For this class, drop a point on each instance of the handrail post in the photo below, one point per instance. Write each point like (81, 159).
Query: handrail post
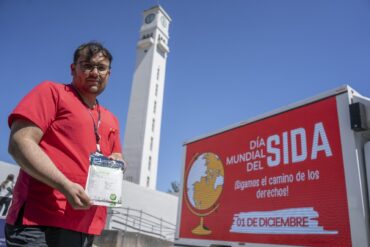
(160, 226)
(126, 219)
(140, 219)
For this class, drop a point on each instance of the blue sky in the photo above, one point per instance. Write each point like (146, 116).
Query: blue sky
(229, 60)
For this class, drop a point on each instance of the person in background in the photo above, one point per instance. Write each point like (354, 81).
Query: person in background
(54, 130)
(6, 193)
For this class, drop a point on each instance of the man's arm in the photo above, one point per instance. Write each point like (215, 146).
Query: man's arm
(24, 147)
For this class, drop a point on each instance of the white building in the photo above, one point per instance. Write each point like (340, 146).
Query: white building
(142, 134)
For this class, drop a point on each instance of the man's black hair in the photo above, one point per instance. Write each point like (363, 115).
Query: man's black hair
(90, 49)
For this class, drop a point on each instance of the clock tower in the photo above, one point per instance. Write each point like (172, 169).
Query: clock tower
(143, 125)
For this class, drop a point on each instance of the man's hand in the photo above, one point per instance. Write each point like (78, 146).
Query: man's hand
(118, 156)
(76, 196)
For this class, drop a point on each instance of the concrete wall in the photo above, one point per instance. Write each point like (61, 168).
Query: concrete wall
(111, 238)
(159, 204)
(154, 202)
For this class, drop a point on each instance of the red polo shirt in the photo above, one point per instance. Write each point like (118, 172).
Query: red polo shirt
(68, 140)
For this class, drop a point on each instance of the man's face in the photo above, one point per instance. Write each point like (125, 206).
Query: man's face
(91, 76)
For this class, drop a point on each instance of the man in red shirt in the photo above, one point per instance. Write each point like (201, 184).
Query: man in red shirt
(54, 130)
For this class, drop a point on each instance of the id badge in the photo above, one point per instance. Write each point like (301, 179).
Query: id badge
(104, 181)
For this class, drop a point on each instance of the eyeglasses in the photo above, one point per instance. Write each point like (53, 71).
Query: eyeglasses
(88, 67)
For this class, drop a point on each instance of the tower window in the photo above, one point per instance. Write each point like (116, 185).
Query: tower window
(151, 143)
(148, 35)
(153, 124)
(150, 163)
(147, 181)
(156, 89)
(158, 70)
(155, 107)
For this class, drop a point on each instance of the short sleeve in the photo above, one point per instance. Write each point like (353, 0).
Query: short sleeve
(39, 106)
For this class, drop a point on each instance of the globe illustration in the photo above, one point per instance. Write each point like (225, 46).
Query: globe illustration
(204, 185)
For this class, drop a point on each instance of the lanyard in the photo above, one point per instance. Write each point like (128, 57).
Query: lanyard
(96, 125)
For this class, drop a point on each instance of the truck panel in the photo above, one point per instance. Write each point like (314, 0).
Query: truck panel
(279, 180)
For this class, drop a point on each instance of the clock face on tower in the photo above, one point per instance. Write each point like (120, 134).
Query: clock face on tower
(149, 18)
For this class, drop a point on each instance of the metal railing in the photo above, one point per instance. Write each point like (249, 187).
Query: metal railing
(133, 220)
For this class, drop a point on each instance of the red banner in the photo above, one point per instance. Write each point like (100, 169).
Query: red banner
(279, 180)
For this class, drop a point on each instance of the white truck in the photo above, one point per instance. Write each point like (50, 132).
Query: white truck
(296, 176)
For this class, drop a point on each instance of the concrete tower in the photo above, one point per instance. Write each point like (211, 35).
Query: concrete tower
(143, 126)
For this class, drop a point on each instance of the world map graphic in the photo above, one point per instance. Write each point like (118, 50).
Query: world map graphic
(205, 181)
